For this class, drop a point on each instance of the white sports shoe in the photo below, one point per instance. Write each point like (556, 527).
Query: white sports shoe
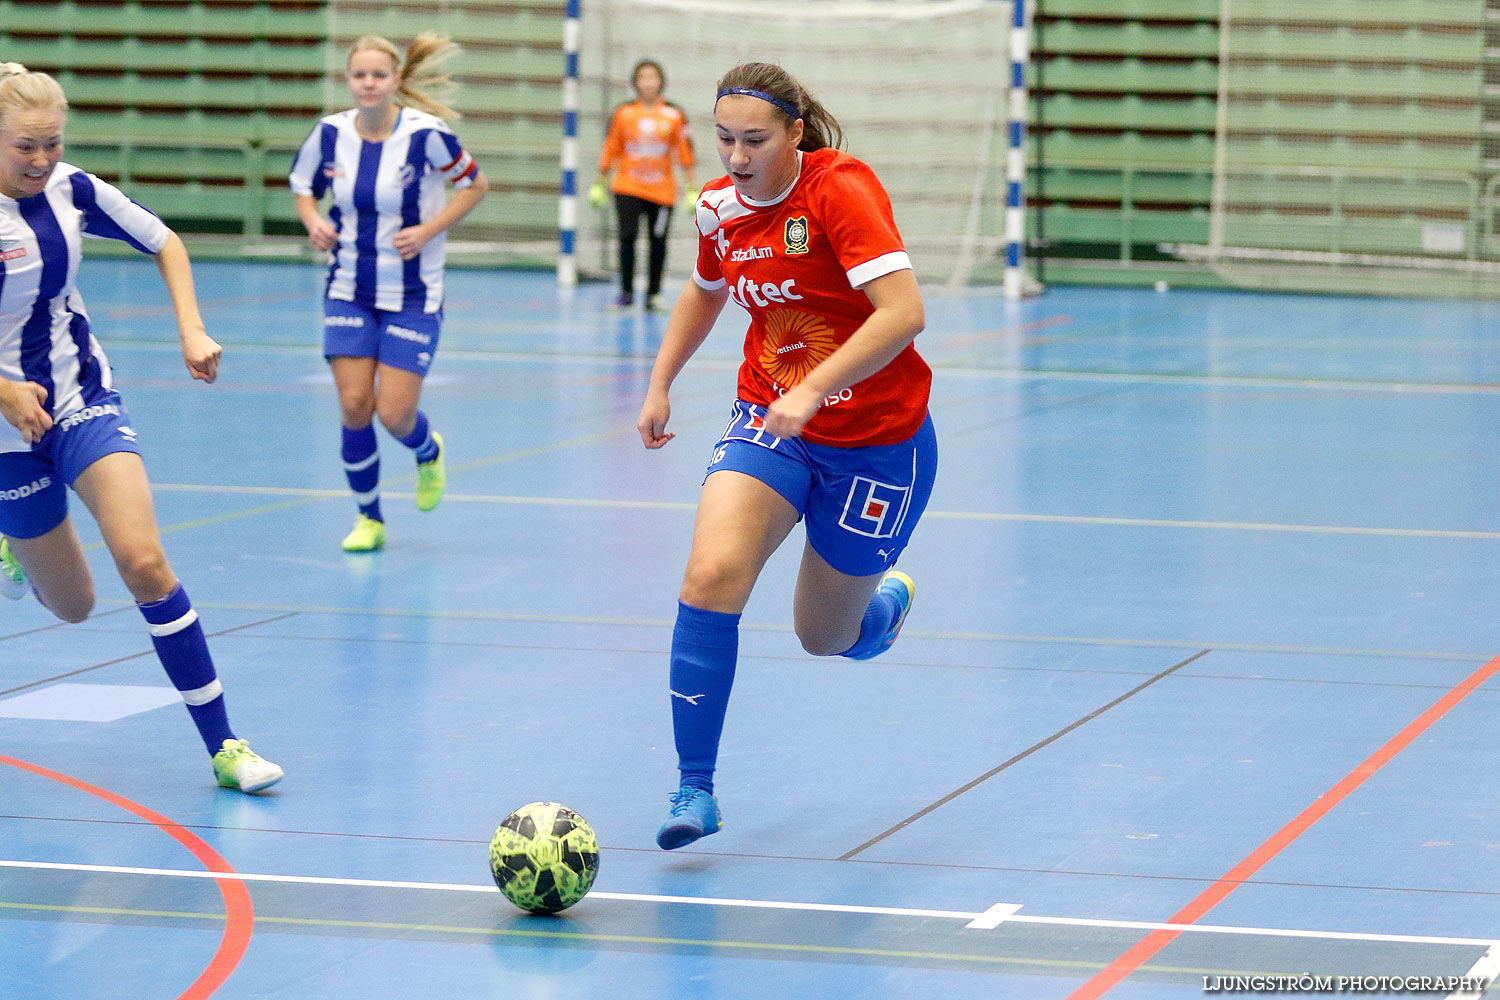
(237, 766)
(13, 582)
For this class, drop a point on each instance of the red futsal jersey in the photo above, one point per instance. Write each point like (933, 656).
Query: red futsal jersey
(798, 265)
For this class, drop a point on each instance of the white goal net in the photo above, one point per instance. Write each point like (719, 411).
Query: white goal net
(1350, 152)
(920, 89)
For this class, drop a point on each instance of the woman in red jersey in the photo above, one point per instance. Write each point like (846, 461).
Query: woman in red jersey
(830, 423)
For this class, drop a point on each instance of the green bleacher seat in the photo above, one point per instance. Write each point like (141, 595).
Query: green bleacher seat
(1340, 117)
(1337, 151)
(1183, 113)
(1450, 13)
(1119, 149)
(1414, 43)
(1189, 40)
(1078, 74)
(1143, 10)
(1125, 228)
(1414, 81)
(1123, 184)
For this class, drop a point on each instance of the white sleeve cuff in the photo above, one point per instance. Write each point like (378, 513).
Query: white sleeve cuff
(867, 272)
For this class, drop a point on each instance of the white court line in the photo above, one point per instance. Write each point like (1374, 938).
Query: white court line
(987, 920)
(1485, 970)
(1218, 381)
(993, 917)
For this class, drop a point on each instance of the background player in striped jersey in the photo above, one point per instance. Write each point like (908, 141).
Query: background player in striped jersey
(65, 425)
(831, 422)
(645, 138)
(385, 163)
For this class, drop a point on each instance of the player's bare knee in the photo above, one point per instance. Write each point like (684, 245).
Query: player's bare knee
(357, 409)
(146, 574)
(399, 421)
(714, 585)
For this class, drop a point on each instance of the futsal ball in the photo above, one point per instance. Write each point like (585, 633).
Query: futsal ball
(544, 857)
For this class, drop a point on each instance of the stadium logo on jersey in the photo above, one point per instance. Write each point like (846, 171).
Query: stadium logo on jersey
(874, 509)
(11, 249)
(796, 235)
(754, 253)
(22, 492)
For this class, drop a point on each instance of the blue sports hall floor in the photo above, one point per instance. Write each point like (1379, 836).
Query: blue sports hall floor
(1197, 693)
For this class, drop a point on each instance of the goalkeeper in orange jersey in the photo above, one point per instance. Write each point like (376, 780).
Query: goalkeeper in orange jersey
(645, 137)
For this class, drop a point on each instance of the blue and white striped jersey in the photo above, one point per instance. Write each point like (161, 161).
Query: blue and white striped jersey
(380, 188)
(44, 330)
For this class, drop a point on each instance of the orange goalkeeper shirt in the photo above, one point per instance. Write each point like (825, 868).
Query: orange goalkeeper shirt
(644, 141)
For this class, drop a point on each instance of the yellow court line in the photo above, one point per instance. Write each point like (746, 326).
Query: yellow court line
(309, 495)
(580, 936)
(1063, 640)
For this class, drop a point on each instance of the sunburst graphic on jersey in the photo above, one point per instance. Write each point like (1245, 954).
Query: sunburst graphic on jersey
(796, 343)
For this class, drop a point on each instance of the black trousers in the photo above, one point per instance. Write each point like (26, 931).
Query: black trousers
(631, 211)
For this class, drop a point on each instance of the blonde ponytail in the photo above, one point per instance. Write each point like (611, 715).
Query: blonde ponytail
(422, 85)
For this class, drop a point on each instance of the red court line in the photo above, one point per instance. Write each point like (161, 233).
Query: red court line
(239, 914)
(1154, 942)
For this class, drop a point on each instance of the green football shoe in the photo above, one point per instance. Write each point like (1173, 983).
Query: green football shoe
(13, 583)
(431, 479)
(237, 766)
(367, 536)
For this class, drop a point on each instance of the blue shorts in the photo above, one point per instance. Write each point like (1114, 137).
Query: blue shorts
(34, 484)
(405, 340)
(861, 504)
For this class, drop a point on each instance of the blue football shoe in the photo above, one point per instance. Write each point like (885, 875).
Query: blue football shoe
(904, 590)
(695, 814)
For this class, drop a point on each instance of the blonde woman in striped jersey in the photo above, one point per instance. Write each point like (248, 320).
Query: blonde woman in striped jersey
(66, 426)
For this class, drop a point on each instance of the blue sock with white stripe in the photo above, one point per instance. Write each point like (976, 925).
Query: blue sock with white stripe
(705, 646)
(362, 468)
(420, 439)
(183, 651)
(879, 617)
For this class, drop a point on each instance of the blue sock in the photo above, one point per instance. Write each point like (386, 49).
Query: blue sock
(705, 646)
(179, 642)
(420, 440)
(879, 617)
(362, 468)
